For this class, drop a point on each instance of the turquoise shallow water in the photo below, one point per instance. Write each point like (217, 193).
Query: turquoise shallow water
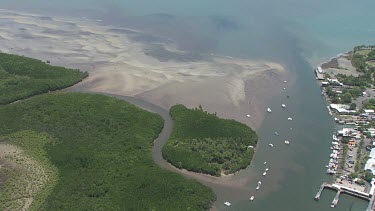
(296, 33)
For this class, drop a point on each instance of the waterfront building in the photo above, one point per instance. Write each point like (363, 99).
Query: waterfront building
(341, 108)
(345, 132)
(319, 73)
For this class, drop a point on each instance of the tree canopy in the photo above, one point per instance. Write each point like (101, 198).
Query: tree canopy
(203, 142)
(22, 77)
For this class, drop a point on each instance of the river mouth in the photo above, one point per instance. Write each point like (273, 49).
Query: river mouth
(295, 172)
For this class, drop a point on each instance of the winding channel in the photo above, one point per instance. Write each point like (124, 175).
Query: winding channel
(218, 184)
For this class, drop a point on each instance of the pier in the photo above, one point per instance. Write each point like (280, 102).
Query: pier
(317, 196)
(345, 190)
(336, 199)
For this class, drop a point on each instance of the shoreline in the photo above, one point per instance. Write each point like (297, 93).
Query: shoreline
(351, 138)
(223, 85)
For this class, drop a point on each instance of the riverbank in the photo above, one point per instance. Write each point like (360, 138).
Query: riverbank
(347, 82)
(232, 87)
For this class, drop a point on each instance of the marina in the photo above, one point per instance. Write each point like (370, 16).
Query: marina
(370, 197)
(351, 162)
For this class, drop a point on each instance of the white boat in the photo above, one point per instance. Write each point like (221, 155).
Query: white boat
(286, 142)
(271, 145)
(290, 119)
(285, 81)
(252, 198)
(276, 133)
(269, 110)
(264, 173)
(284, 88)
(248, 115)
(258, 186)
(267, 169)
(227, 203)
(283, 105)
(250, 146)
(264, 163)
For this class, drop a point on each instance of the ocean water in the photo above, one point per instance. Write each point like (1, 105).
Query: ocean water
(296, 33)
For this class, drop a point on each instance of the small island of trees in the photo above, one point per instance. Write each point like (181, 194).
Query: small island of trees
(204, 143)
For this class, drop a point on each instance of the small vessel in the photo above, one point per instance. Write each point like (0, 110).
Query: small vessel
(264, 173)
(252, 198)
(271, 145)
(286, 142)
(276, 133)
(269, 110)
(250, 146)
(248, 115)
(284, 88)
(285, 81)
(290, 119)
(283, 105)
(264, 163)
(266, 169)
(258, 186)
(227, 203)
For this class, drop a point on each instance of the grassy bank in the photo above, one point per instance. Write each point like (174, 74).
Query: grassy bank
(22, 77)
(103, 154)
(202, 142)
(28, 174)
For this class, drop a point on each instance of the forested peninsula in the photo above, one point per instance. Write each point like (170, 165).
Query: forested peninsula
(22, 77)
(75, 151)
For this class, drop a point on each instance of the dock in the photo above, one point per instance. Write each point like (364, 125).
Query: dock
(317, 196)
(345, 190)
(336, 199)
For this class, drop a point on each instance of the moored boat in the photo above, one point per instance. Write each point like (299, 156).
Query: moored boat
(258, 186)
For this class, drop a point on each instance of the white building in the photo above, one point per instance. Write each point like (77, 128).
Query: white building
(345, 132)
(341, 108)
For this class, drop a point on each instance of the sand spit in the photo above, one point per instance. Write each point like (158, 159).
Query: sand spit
(119, 62)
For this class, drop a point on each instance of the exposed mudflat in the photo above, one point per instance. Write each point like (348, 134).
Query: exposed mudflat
(130, 62)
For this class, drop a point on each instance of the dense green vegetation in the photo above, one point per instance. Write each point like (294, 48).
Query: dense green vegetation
(360, 62)
(22, 77)
(369, 104)
(202, 142)
(102, 151)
